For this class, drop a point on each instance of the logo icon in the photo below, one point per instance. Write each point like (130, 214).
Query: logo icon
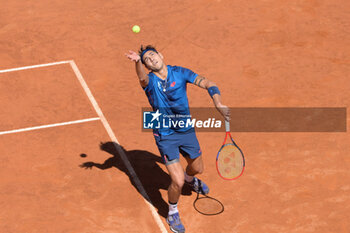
(151, 120)
(172, 84)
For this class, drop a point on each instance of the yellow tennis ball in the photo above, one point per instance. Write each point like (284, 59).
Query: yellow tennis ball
(136, 29)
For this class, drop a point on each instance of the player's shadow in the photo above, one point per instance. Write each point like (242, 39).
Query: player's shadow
(145, 164)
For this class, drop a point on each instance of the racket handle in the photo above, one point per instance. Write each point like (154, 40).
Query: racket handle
(227, 126)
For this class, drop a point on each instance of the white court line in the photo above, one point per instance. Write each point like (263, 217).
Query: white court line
(35, 66)
(49, 126)
(120, 151)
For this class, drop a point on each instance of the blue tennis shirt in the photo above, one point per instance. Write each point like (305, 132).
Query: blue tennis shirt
(169, 96)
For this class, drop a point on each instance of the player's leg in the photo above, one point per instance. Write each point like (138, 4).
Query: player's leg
(177, 176)
(190, 149)
(194, 166)
(169, 151)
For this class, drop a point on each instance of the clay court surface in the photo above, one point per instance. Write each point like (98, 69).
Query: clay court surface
(261, 53)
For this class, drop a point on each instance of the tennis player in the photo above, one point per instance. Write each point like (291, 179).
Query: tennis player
(165, 87)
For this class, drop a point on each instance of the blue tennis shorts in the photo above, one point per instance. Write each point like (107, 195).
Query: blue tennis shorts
(170, 146)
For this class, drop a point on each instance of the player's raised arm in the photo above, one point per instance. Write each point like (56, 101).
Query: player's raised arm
(214, 93)
(143, 77)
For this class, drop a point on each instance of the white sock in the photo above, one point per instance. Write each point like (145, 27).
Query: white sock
(188, 178)
(172, 209)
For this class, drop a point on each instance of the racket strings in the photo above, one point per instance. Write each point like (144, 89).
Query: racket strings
(230, 163)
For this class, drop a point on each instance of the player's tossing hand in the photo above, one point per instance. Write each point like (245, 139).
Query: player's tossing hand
(133, 56)
(225, 111)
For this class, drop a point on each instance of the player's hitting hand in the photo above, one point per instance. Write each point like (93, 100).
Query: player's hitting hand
(225, 111)
(133, 56)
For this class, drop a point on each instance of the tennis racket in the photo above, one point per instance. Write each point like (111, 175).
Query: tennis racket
(230, 161)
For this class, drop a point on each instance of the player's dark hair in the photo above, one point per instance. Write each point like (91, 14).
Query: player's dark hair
(148, 47)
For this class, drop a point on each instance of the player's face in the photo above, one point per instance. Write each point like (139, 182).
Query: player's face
(153, 60)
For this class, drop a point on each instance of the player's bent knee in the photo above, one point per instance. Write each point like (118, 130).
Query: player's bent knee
(199, 168)
(178, 183)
